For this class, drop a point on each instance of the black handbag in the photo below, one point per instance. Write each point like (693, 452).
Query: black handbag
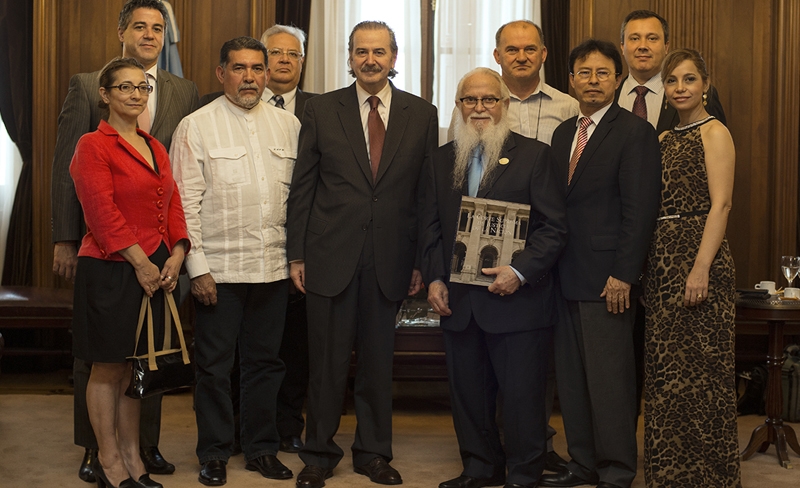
(164, 370)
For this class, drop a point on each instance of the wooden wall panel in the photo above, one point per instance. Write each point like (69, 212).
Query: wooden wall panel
(752, 50)
(75, 36)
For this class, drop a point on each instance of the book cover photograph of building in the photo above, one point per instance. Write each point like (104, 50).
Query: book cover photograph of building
(490, 233)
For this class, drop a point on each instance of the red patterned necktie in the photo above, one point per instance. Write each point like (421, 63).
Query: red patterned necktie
(640, 105)
(377, 133)
(583, 137)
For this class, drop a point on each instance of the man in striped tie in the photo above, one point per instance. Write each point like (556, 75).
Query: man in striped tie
(610, 165)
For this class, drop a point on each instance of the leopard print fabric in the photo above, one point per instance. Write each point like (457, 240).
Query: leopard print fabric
(690, 437)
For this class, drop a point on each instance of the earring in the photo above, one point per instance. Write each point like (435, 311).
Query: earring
(705, 99)
(665, 103)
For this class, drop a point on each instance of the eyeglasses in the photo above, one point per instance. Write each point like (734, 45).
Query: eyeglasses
(294, 55)
(128, 88)
(472, 102)
(585, 74)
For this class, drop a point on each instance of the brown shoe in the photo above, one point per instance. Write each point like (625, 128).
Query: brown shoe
(379, 472)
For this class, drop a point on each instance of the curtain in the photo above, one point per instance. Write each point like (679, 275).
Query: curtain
(16, 74)
(555, 24)
(464, 39)
(298, 14)
(329, 30)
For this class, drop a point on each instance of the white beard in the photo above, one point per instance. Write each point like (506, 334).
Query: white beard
(467, 137)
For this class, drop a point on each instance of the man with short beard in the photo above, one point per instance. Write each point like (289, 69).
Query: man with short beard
(495, 338)
(233, 161)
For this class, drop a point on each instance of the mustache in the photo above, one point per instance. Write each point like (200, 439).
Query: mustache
(248, 86)
(370, 68)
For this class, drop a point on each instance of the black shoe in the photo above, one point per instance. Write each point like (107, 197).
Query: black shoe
(607, 485)
(464, 481)
(85, 472)
(554, 463)
(102, 481)
(146, 482)
(291, 443)
(313, 477)
(517, 485)
(213, 473)
(269, 467)
(379, 472)
(154, 462)
(564, 479)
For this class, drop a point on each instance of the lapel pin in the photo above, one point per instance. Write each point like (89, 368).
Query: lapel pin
(503, 161)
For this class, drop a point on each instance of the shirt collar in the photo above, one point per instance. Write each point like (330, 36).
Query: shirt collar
(287, 97)
(596, 117)
(385, 94)
(542, 88)
(654, 84)
(153, 72)
(239, 111)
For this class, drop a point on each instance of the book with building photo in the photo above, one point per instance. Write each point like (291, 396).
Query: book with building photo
(490, 233)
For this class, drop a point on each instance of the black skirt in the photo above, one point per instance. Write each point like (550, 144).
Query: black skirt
(106, 309)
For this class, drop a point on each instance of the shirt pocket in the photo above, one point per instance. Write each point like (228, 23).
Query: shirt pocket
(284, 159)
(230, 166)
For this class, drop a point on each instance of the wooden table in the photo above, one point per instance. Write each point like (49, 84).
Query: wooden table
(23, 307)
(773, 431)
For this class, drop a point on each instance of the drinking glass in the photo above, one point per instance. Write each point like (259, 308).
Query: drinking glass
(790, 266)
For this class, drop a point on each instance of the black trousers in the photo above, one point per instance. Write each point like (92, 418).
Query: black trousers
(294, 354)
(363, 316)
(252, 316)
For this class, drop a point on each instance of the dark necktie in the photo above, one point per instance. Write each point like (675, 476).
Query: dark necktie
(583, 138)
(640, 105)
(377, 133)
(278, 101)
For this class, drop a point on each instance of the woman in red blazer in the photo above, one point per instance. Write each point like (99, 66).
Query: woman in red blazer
(135, 244)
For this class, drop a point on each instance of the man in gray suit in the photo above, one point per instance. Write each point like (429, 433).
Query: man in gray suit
(141, 32)
(352, 223)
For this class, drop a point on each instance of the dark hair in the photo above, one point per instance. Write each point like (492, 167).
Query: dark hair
(127, 10)
(640, 15)
(373, 25)
(106, 77)
(590, 46)
(676, 57)
(523, 21)
(239, 43)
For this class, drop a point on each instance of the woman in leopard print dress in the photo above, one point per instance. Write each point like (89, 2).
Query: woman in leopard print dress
(690, 437)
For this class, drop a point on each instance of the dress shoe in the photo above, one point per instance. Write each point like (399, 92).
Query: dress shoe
(313, 476)
(154, 462)
(379, 472)
(102, 480)
(554, 463)
(464, 481)
(146, 482)
(517, 485)
(565, 479)
(213, 473)
(269, 467)
(607, 485)
(85, 472)
(291, 443)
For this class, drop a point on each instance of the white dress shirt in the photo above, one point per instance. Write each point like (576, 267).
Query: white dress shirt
(152, 79)
(289, 99)
(383, 108)
(596, 118)
(653, 98)
(233, 168)
(538, 115)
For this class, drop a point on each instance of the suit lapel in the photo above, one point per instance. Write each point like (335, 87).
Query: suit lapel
(507, 153)
(164, 88)
(398, 119)
(350, 118)
(598, 135)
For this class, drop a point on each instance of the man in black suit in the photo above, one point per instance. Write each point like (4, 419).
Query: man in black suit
(644, 40)
(610, 162)
(352, 247)
(141, 32)
(497, 337)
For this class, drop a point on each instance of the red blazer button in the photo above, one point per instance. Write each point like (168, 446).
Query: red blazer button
(160, 191)
(160, 204)
(162, 229)
(160, 217)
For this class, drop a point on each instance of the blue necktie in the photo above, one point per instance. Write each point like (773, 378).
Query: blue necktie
(475, 172)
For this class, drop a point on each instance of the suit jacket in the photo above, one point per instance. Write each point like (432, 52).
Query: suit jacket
(299, 101)
(612, 202)
(80, 114)
(669, 117)
(530, 177)
(125, 201)
(333, 201)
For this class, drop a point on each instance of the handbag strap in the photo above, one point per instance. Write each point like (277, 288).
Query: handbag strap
(174, 309)
(170, 314)
(142, 312)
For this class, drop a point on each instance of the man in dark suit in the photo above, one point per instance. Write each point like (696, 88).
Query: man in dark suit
(610, 162)
(497, 337)
(352, 247)
(644, 40)
(141, 32)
